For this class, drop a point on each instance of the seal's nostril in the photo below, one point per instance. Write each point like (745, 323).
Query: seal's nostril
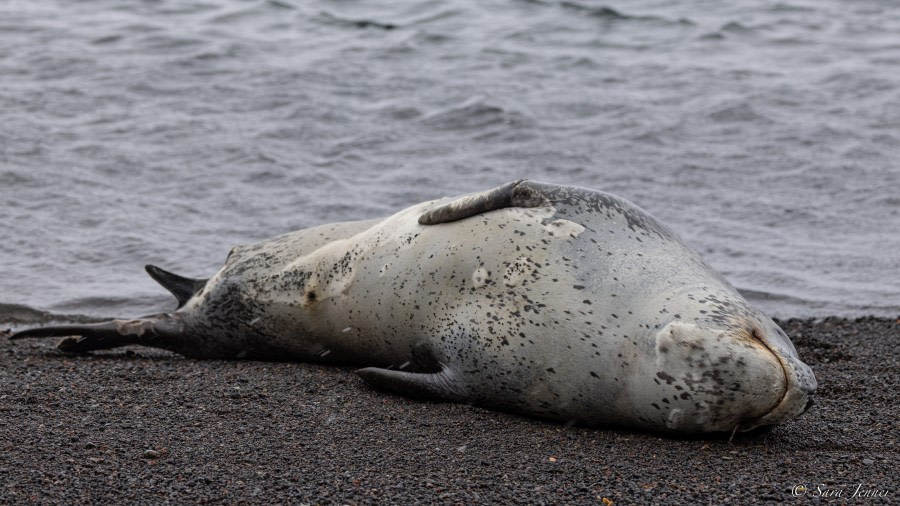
(807, 384)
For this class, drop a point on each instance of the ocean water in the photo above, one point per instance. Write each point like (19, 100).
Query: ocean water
(767, 134)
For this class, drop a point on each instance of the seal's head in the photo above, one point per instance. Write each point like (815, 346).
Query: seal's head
(800, 382)
(724, 380)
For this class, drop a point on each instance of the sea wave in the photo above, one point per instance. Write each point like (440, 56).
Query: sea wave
(158, 132)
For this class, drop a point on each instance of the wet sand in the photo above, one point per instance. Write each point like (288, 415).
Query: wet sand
(142, 426)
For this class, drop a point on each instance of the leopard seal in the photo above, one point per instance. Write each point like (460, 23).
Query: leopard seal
(553, 301)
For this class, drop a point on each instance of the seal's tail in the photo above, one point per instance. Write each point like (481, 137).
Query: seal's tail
(181, 287)
(157, 331)
(166, 330)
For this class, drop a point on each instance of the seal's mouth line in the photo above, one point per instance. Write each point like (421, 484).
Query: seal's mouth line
(787, 383)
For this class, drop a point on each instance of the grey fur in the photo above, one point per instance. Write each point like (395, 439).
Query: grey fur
(553, 301)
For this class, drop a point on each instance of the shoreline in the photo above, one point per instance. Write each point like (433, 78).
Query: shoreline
(140, 425)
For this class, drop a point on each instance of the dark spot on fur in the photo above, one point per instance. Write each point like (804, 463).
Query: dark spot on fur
(668, 378)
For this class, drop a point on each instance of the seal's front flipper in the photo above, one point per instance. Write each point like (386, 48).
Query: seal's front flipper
(513, 194)
(442, 385)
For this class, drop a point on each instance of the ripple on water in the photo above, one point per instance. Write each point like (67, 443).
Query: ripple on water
(167, 132)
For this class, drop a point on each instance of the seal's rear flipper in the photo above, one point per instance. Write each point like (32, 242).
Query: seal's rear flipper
(159, 331)
(181, 287)
(443, 385)
(519, 193)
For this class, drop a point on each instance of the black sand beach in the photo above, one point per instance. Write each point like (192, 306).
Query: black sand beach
(142, 426)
